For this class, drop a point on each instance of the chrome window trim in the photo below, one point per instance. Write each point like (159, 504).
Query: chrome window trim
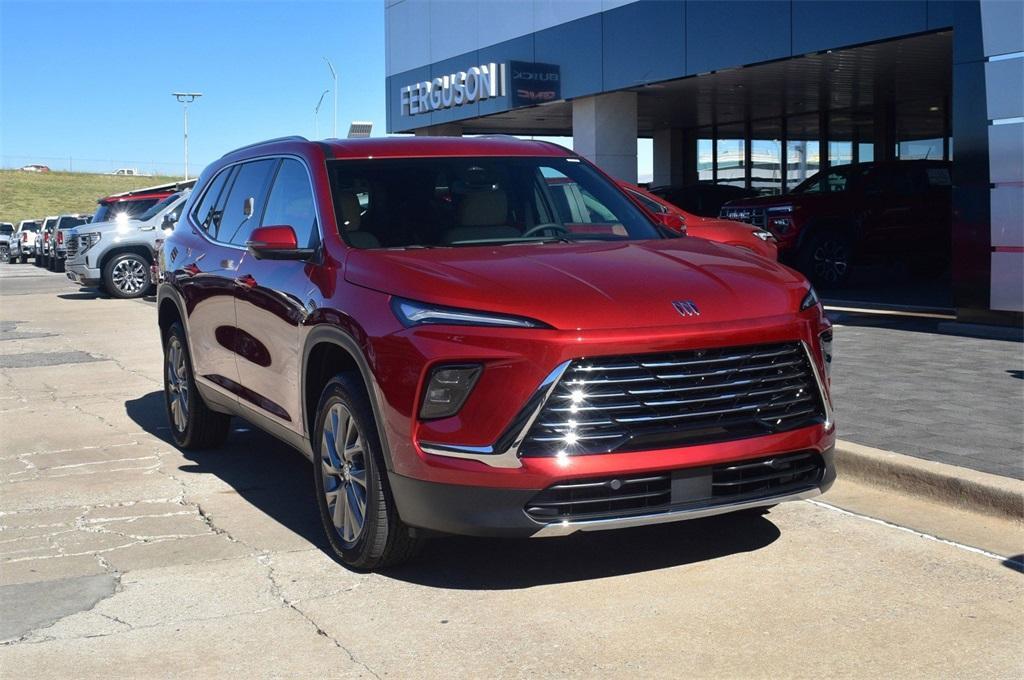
(279, 156)
(501, 454)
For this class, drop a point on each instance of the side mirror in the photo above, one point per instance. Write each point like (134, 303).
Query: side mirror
(276, 243)
(673, 221)
(170, 219)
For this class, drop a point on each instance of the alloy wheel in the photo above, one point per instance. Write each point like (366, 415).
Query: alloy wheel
(5, 254)
(130, 276)
(831, 261)
(177, 384)
(343, 470)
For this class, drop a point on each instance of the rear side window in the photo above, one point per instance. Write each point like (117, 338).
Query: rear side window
(207, 213)
(250, 182)
(291, 203)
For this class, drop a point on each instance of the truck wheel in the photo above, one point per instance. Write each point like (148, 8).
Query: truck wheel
(825, 258)
(24, 259)
(193, 424)
(350, 481)
(5, 254)
(126, 275)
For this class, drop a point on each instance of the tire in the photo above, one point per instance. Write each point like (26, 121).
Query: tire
(356, 477)
(825, 258)
(5, 254)
(126, 276)
(193, 424)
(24, 259)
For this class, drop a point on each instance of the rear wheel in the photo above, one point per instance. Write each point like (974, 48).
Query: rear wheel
(826, 258)
(350, 480)
(126, 275)
(193, 424)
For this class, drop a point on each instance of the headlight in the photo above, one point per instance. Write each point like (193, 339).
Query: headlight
(810, 300)
(764, 235)
(86, 241)
(412, 313)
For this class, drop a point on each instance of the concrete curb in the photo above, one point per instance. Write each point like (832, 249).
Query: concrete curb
(949, 484)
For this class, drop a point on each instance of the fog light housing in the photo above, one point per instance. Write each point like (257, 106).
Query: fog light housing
(826, 352)
(447, 390)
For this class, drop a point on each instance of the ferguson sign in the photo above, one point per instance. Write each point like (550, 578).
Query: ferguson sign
(475, 84)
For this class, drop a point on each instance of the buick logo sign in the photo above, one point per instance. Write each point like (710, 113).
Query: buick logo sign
(686, 307)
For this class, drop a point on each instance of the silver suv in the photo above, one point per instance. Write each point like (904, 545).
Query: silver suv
(116, 255)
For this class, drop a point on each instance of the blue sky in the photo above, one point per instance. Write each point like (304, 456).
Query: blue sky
(92, 80)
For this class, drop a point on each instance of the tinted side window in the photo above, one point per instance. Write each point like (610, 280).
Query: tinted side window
(291, 203)
(251, 181)
(207, 213)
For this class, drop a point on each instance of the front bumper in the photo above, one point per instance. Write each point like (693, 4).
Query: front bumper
(82, 275)
(491, 511)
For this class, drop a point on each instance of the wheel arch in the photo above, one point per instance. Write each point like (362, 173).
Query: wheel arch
(139, 249)
(329, 350)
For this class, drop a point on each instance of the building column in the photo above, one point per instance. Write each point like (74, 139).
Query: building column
(670, 157)
(604, 130)
(440, 130)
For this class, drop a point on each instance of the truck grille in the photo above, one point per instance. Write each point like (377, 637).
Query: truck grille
(72, 245)
(630, 403)
(725, 483)
(755, 216)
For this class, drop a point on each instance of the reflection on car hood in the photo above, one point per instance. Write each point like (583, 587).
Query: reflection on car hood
(588, 285)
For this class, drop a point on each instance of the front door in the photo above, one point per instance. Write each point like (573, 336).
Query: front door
(272, 301)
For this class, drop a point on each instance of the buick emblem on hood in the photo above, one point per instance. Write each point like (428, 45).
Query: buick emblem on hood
(686, 307)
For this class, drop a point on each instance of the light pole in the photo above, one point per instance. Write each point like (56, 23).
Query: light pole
(316, 115)
(186, 98)
(334, 74)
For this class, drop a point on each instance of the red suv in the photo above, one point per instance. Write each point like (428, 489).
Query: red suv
(458, 351)
(850, 214)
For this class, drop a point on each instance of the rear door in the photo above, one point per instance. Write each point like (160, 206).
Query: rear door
(273, 299)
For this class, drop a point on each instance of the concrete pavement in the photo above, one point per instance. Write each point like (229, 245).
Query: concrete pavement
(121, 556)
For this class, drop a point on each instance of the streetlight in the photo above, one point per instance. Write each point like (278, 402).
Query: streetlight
(186, 98)
(334, 74)
(316, 114)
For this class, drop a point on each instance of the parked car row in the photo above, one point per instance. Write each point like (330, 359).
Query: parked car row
(107, 249)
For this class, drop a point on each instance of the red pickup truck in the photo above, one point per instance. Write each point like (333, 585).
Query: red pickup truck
(851, 214)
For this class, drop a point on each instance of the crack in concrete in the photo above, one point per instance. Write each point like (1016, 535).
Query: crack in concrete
(266, 560)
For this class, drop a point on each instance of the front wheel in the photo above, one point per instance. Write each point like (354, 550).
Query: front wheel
(5, 254)
(24, 259)
(826, 258)
(126, 275)
(193, 424)
(349, 477)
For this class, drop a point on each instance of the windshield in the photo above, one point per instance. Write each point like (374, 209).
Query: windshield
(6, 228)
(153, 211)
(828, 181)
(30, 226)
(428, 202)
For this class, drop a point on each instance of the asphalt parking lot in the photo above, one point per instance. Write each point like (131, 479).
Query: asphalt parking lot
(124, 557)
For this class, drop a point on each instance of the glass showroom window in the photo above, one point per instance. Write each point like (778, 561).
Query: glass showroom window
(802, 148)
(732, 156)
(766, 156)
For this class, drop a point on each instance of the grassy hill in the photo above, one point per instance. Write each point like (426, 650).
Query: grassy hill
(25, 195)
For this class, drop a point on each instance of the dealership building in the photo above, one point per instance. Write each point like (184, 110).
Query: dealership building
(755, 94)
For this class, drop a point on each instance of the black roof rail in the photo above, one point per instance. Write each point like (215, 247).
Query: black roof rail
(290, 138)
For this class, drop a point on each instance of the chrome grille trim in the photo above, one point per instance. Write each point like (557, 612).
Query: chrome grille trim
(630, 403)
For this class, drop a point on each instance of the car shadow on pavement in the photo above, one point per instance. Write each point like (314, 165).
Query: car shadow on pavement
(84, 295)
(276, 479)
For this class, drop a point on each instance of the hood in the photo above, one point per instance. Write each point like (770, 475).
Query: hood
(125, 226)
(588, 285)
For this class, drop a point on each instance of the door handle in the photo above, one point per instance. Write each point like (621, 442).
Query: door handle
(246, 281)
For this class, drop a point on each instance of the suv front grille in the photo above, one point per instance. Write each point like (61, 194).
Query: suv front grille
(72, 245)
(688, 488)
(630, 403)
